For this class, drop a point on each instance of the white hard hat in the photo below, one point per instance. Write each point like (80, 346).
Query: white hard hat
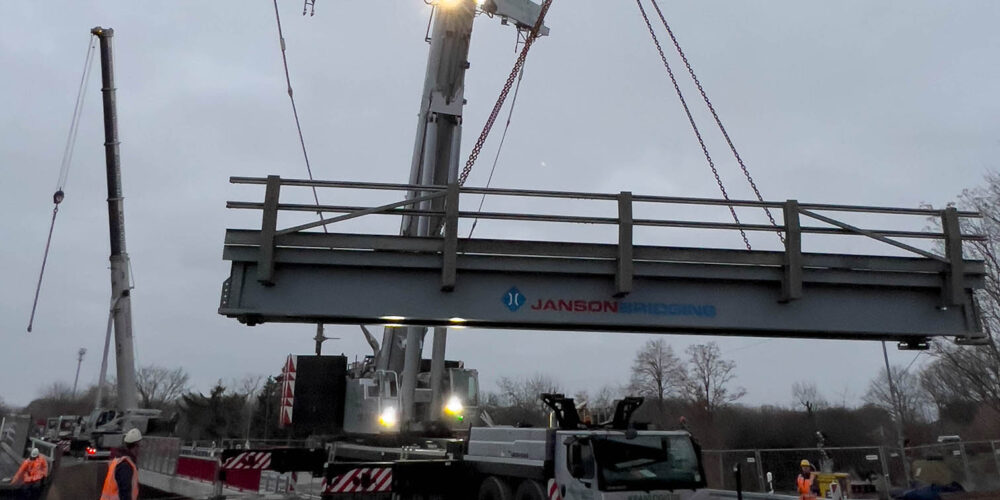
(132, 436)
(34, 452)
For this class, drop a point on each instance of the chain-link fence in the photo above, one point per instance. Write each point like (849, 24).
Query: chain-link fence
(871, 470)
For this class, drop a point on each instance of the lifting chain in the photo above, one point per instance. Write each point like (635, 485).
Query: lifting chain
(514, 72)
(715, 115)
(694, 126)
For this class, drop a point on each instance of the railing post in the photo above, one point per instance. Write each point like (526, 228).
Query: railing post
(996, 459)
(791, 282)
(449, 251)
(884, 459)
(970, 482)
(218, 482)
(954, 279)
(625, 269)
(268, 225)
(760, 471)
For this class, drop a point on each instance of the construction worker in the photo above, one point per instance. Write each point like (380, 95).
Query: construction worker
(808, 486)
(31, 474)
(122, 481)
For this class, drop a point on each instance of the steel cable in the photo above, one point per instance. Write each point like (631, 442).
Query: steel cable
(516, 70)
(496, 159)
(295, 111)
(67, 161)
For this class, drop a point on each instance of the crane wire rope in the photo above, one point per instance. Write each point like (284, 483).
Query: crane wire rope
(514, 72)
(694, 126)
(496, 159)
(67, 161)
(715, 115)
(295, 111)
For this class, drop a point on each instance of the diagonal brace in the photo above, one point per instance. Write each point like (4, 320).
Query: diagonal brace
(361, 213)
(873, 235)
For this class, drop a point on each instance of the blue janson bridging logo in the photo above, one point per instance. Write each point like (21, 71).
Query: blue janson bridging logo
(513, 299)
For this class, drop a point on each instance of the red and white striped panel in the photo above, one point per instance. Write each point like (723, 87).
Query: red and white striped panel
(364, 479)
(248, 460)
(64, 445)
(554, 490)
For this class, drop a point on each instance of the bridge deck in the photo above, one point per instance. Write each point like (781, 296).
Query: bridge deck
(292, 275)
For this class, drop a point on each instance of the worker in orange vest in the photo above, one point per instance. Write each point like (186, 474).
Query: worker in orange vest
(122, 481)
(807, 484)
(32, 474)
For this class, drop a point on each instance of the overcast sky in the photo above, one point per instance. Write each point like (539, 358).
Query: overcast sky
(855, 102)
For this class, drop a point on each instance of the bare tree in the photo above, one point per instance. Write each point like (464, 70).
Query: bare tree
(964, 373)
(600, 405)
(707, 378)
(521, 395)
(807, 396)
(58, 391)
(159, 386)
(912, 400)
(656, 372)
(248, 385)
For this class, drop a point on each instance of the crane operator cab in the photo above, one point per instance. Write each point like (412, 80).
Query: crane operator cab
(606, 464)
(613, 459)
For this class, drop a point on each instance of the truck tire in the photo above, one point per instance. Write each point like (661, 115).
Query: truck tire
(530, 490)
(494, 488)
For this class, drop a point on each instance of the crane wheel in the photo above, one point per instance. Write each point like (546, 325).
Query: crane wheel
(530, 490)
(494, 488)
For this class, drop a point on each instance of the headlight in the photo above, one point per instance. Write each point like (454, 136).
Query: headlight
(388, 417)
(454, 406)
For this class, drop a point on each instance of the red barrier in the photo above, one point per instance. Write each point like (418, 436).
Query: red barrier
(245, 479)
(196, 468)
(203, 469)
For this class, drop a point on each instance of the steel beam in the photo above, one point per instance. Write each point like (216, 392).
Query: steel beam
(523, 292)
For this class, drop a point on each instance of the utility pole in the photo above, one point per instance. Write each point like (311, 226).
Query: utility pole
(79, 361)
(897, 403)
(120, 281)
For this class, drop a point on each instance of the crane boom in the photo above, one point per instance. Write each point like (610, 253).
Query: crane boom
(120, 289)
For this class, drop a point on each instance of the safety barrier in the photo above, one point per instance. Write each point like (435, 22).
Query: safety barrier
(160, 454)
(202, 469)
(165, 456)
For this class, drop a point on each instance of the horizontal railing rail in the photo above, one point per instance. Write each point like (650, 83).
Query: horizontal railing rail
(594, 196)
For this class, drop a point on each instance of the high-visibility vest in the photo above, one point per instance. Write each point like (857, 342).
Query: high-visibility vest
(31, 471)
(110, 491)
(805, 488)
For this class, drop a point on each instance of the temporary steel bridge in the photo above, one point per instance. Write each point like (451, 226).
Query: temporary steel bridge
(295, 275)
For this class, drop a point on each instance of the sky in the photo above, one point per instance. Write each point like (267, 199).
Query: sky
(854, 102)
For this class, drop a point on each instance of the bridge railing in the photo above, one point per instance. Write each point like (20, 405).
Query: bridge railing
(438, 207)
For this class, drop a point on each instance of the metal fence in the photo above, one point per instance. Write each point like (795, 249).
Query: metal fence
(160, 454)
(975, 465)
